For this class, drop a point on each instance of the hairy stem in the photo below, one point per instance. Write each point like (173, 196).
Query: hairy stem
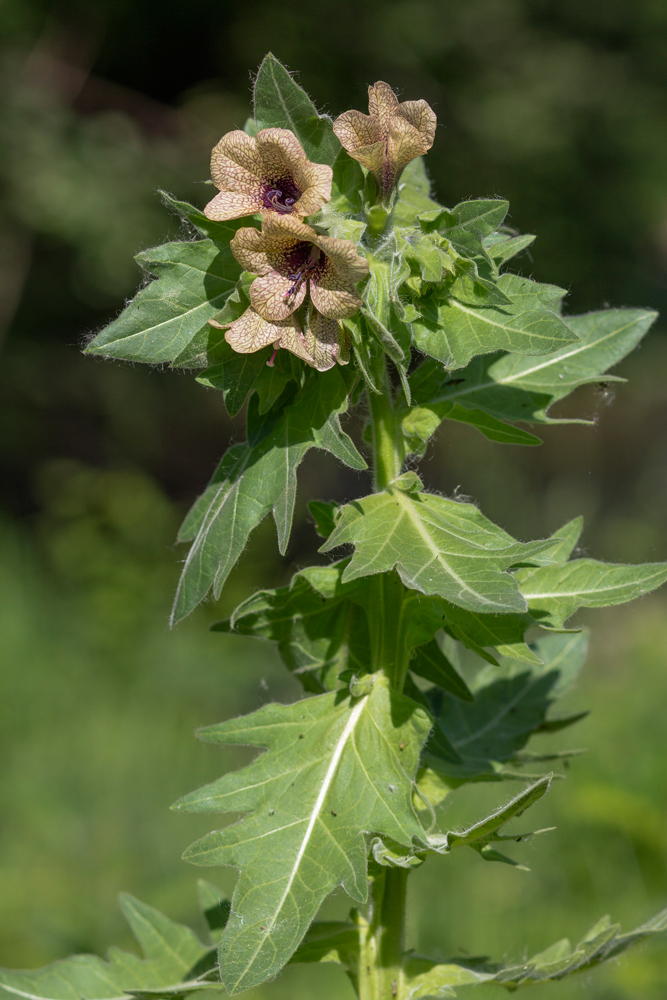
(383, 938)
(388, 447)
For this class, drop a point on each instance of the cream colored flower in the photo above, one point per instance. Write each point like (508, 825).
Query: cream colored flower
(323, 344)
(389, 136)
(291, 259)
(268, 172)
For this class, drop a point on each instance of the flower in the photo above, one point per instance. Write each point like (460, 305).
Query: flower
(322, 345)
(290, 258)
(389, 136)
(268, 172)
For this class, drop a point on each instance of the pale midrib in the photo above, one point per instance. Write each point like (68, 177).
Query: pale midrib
(317, 808)
(502, 326)
(437, 555)
(471, 390)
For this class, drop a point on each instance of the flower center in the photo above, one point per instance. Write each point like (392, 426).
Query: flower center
(281, 197)
(303, 267)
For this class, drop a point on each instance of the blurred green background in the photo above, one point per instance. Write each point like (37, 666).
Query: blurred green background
(559, 106)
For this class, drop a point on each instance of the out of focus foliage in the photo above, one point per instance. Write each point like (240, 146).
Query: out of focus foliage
(559, 106)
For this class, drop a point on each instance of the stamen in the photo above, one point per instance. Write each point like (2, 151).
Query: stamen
(269, 364)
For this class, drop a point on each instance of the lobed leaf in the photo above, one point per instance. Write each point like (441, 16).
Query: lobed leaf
(175, 963)
(259, 476)
(193, 282)
(511, 387)
(438, 546)
(511, 702)
(336, 768)
(554, 593)
(427, 978)
(280, 102)
(459, 322)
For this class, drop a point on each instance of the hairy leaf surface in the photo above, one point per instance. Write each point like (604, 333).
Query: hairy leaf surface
(556, 592)
(281, 103)
(456, 324)
(512, 387)
(259, 476)
(194, 280)
(438, 546)
(335, 769)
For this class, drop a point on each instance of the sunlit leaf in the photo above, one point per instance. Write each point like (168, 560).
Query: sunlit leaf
(455, 325)
(334, 768)
(438, 546)
(512, 387)
(281, 103)
(259, 476)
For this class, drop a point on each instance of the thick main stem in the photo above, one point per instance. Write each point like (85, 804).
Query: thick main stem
(383, 939)
(388, 449)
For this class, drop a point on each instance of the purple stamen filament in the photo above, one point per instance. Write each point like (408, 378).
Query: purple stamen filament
(269, 364)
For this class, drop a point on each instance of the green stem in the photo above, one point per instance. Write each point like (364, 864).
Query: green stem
(383, 939)
(388, 446)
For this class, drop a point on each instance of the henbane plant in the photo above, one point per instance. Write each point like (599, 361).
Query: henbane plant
(324, 276)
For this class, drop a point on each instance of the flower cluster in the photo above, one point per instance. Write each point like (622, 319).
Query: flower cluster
(388, 137)
(295, 265)
(306, 281)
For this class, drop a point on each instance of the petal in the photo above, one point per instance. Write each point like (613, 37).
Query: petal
(331, 295)
(323, 341)
(276, 297)
(404, 143)
(293, 340)
(343, 254)
(288, 243)
(228, 205)
(382, 104)
(235, 163)
(356, 131)
(422, 117)
(248, 248)
(314, 180)
(281, 153)
(250, 333)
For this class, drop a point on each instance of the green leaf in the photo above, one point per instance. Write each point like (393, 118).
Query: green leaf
(455, 325)
(482, 834)
(219, 232)
(511, 703)
(511, 387)
(334, 769)
(428, 978)
(174, 960)
(214, 907)
(414, 194)
(501, 247)
(260, 476)
(281, 103)
(235, 374)
(194, 280)
(468, 223)
(323, 514)
(330, 941)
(556, 592)
(431, 663)
(602, 942)
(318, 637)
(438, 546)
(421, 422)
